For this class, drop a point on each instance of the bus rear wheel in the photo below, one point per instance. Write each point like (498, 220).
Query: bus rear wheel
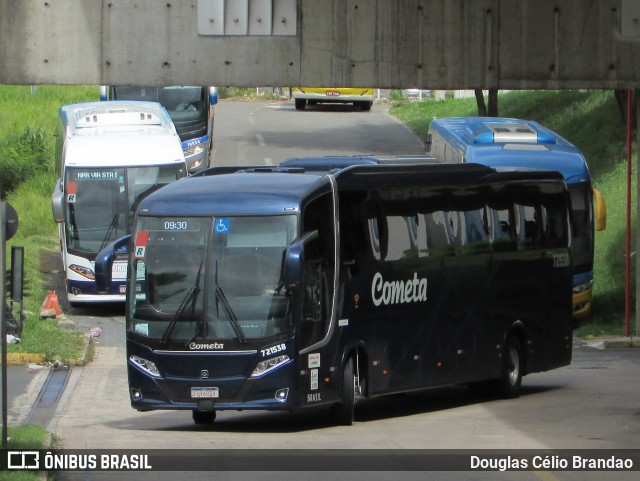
(343, 412)
(508, 385)
(204, 417)
(301, 104)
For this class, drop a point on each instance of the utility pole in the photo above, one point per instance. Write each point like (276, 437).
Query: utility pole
(8, 227)
(637, 101)
(3, 318)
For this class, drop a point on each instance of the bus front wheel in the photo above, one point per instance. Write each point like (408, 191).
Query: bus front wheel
(508, 385)
(343, 412)
(301, 104)
(204, 417)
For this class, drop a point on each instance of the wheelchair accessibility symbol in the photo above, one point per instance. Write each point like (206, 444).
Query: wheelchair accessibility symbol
(222, 226)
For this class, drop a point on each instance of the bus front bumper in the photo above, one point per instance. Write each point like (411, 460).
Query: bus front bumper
(273, 391)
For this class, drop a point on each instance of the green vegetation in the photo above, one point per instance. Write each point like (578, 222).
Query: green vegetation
(27, 126)
(25, 437)
(591, 121)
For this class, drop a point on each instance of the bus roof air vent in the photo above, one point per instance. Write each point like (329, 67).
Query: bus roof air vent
(511, 132)
(112, 117)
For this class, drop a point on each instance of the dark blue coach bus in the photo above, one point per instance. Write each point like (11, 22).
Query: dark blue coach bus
(284, 288)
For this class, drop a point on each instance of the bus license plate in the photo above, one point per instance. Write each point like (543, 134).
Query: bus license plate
(333, 93)
(204, 392)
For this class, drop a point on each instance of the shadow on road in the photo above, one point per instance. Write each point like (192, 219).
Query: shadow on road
(368, 410)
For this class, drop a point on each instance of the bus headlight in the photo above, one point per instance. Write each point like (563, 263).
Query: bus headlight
(194, 150)
(585, 286)
(269, 365)
(83, 271)
(147, 366)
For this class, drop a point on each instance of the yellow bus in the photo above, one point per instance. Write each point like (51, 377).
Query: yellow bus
(362, 97)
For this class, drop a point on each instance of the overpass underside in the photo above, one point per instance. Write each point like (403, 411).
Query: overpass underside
(436, 44)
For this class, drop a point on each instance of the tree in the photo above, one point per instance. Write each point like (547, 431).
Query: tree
(492, 110)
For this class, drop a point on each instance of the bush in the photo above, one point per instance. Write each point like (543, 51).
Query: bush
(22, 156)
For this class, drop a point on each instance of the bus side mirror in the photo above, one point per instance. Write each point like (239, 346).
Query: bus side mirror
(57, 202)
(600, 210)
(213, 95)
(104, 263)
(294, 260)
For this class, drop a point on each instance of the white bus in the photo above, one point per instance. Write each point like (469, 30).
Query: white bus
(109, 156)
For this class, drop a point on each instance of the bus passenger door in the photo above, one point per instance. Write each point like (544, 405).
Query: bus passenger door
(313, 319)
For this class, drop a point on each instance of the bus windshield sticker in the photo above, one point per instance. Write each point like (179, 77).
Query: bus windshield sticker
(222, 225)
(314, 360)
(72, 191)
(141, 328)
(142, 238)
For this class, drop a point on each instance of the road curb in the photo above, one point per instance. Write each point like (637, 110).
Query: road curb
(19, 358)
(613, 342)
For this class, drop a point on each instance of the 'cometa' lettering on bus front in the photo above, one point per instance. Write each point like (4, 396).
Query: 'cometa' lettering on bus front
(398, 292)
(199, 346)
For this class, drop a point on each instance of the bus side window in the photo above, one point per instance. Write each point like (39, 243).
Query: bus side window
(556, 230)
(402, 238)
(374, 237)
(378, 235)
(355, 237)
(455, 226)
(475, 235)
(530, 226)
(437, 233)
(502, 228)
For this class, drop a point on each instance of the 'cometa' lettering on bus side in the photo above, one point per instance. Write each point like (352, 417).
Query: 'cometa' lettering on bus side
(398, 292)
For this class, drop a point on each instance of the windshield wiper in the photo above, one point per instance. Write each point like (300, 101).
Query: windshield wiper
(222, 299)
(73, 228)
(191, 295)
(230, 314)
(112, 227)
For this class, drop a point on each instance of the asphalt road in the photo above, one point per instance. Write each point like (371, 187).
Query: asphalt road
(592, 404)
(266, 133)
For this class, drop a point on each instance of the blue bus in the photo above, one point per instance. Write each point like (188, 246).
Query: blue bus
(505, 142)
(191, 109)
(284, 288)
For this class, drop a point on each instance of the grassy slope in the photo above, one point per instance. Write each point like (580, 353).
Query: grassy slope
(591, 121)
(21, 107)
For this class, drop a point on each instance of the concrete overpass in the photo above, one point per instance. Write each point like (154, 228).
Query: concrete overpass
(436, 44)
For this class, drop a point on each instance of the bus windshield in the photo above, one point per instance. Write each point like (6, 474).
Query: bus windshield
(582, 232)
(187, 106)
(101, 201)
(210, 279)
